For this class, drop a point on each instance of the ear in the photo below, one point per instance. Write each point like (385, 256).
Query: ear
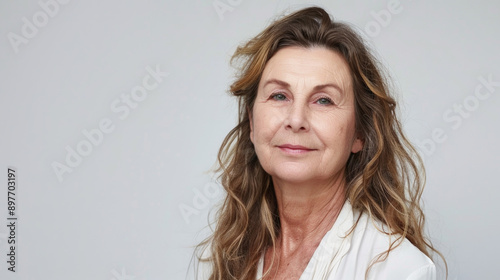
(357, 144)
(249, 112)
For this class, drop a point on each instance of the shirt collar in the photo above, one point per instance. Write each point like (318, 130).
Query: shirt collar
(333, 247)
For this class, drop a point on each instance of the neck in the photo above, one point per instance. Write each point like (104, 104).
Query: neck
(307, 210)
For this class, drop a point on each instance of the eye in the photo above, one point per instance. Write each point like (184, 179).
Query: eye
(324, 101)
(278, 97)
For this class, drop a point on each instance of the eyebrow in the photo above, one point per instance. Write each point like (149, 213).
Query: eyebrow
(316, 88)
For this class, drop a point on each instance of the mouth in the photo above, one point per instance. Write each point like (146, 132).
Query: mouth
(295, 149)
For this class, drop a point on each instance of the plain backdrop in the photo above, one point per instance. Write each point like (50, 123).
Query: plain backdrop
(113, 180)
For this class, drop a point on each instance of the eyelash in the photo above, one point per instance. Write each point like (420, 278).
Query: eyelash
(330, 102)
(275, 95)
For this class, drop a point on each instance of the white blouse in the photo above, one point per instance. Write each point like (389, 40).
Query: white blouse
(340, 256)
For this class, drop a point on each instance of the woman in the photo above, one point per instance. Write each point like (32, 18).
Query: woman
(321, 183)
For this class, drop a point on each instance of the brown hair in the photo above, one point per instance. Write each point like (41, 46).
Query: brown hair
(385, 179)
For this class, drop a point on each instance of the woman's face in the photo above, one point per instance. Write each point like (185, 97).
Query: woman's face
(303, 121)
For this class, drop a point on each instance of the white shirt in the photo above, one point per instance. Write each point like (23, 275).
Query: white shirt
(340, 256)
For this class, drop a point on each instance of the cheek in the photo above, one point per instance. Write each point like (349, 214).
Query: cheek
(260, 131)
(337, 132)
(265, 125)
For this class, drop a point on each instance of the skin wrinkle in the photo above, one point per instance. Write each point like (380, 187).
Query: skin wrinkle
(309, 187)
(388, 168)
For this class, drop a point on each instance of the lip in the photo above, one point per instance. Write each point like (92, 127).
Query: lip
(294, 149)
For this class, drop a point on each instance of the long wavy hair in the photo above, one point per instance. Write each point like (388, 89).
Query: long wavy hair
(385, 179)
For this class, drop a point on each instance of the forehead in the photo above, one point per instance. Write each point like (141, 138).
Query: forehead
(308, 67)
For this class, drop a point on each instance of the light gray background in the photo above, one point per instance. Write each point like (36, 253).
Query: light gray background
(118, 214)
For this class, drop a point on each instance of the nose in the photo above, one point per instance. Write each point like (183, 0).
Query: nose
(297, 117)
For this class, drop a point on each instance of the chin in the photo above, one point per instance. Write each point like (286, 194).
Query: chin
(294, 174)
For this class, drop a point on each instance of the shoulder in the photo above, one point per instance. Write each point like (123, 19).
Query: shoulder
(369, 240)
